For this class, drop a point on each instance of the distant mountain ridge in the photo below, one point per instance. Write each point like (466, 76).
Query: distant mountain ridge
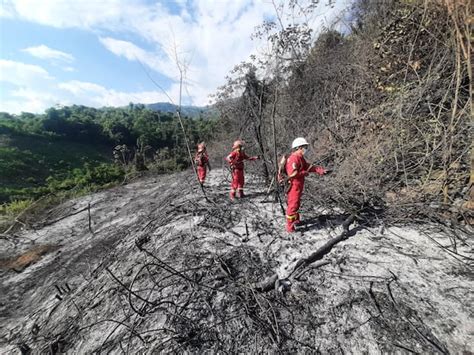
(191, 111)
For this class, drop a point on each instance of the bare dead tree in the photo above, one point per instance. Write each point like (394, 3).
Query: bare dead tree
(182, 67)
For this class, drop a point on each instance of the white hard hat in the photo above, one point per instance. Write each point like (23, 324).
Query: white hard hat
(298, 142)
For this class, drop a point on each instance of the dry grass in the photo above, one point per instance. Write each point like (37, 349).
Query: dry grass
(386, 108)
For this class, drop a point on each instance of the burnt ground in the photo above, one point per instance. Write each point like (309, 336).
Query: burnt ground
(163, 269)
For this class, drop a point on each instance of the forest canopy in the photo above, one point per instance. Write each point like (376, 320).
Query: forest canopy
(72, 145)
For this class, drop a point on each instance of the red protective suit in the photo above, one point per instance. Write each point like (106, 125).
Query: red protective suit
(202, 162)
(236, 160)
(296, 162)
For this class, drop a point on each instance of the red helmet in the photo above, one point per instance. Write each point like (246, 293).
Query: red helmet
(237, 143)
(201, 147)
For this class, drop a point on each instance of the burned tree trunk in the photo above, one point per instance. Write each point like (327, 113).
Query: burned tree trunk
(269, 283)
(255, 96)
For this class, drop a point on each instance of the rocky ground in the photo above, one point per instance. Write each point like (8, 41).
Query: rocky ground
(154, 266)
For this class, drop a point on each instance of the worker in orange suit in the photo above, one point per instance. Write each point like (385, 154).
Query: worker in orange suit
(296, 170)
(201, 159)
(236, 161)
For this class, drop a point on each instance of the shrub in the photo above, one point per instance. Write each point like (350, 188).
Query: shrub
(15, 207)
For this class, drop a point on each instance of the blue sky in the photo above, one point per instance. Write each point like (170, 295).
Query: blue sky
(96, 52)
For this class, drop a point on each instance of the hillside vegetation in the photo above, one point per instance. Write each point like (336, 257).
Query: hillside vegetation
(72, 146)
(386, 103)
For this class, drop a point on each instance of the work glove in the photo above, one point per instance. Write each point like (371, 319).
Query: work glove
(319, 170)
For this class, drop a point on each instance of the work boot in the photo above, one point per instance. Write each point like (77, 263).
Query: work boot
(290, 227)
(241, 194)
(298, 227)
(294, 226)
(232, 195)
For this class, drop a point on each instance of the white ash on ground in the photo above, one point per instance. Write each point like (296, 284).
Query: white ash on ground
(164, 269)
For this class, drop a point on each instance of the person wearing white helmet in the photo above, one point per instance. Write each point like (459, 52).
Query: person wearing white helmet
(296, 169)
(236, 161)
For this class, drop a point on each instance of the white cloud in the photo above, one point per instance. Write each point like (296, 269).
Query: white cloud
(155, 61)
(211, 41)
(44, 52)
(65, 13)
(21, 74)
(7, 10)
(37, 100)
(34, 90)
(31, 84)
(79, 87)
(91, 94)
(19, 106)
(212, 36)
(28, 100)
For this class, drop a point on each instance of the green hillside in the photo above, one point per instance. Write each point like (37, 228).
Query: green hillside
(26, 161)
(74, 147)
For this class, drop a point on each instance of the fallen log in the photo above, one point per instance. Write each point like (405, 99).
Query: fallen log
(48, 223)
(269, 283)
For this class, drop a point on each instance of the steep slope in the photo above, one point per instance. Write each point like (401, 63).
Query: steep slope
(160, 268)
(27, 160)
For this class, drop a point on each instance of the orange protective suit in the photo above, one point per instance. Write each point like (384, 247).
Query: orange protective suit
(296, 162)
(236, 160)
(202, 163)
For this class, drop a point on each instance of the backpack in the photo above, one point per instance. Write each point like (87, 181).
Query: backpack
(201, 159)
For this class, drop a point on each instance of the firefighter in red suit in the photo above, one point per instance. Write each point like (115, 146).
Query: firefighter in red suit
(201, 159)
(296, 169)
(236, 161)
